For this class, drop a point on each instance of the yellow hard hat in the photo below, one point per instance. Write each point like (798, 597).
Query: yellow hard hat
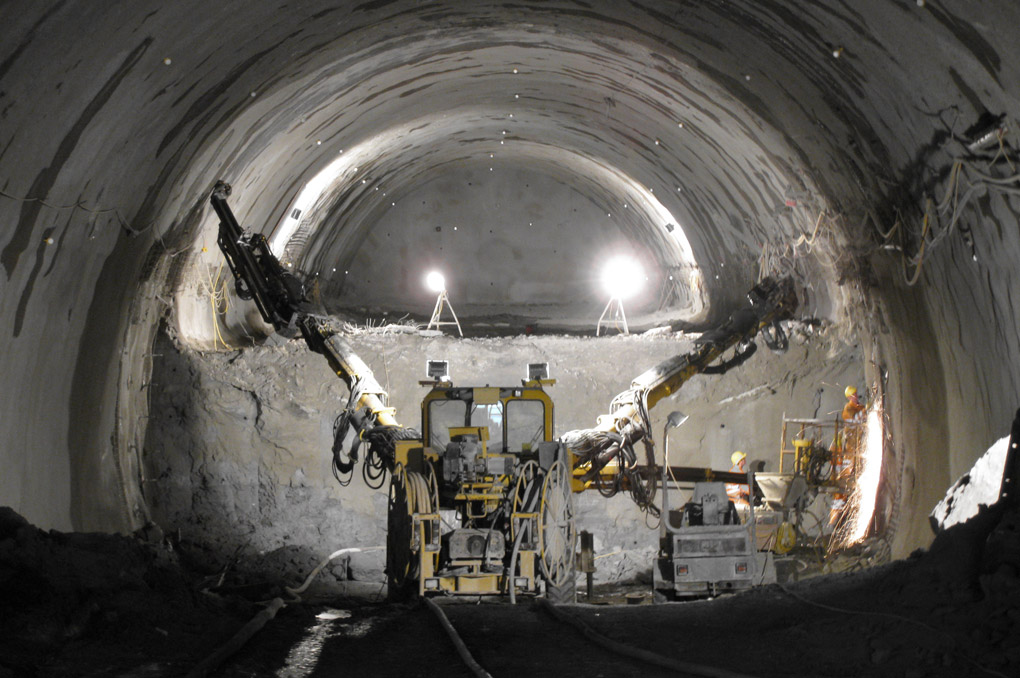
(850, 391)
(737, 456)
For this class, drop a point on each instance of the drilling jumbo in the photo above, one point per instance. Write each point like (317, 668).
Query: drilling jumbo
(486, 457)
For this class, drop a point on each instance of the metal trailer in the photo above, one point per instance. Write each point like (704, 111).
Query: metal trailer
(704, 548)
(719, 555)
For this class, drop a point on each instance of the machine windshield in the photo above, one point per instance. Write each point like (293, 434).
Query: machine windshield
(524, 421)
(525, 424)
(444, 414)
(491, 416)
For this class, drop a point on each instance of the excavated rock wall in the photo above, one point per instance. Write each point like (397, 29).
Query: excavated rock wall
(237, 455)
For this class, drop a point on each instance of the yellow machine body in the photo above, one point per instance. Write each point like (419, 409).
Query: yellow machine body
(485, 453)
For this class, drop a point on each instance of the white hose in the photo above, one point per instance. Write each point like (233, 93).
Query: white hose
(318, 568)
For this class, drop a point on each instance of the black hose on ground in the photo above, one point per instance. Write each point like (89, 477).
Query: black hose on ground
(462, 650)
(213, 661)
(634, 652)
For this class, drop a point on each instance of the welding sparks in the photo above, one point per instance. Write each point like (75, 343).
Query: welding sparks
(870, 473)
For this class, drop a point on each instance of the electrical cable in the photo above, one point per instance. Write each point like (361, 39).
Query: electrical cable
(950, 209)
(81, 206)
(810, 241)
(218, 294)
(954, 204)
(462, 650)
(214, 660)
(342, 471)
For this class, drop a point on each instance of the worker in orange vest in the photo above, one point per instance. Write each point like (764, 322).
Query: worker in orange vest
(854, 406)
(737, 493)
(844, 459)
(851, 434)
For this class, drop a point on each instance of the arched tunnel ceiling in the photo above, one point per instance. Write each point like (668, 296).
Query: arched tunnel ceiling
(119, 117)
(612, 116)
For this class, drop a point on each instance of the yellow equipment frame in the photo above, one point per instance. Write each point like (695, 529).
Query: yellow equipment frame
(474, 499)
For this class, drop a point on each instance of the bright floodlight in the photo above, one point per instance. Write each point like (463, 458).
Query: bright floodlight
(622, 277)
(435, 281)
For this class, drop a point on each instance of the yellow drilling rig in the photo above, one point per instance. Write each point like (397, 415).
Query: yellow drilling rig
(480, 498)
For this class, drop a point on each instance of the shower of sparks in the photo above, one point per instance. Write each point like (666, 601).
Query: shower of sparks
(870, 474)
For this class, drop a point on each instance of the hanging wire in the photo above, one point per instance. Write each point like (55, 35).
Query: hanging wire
(80, 205)
(218, 298)
(967, 179)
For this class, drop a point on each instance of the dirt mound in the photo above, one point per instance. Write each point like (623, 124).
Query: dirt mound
(99, 604)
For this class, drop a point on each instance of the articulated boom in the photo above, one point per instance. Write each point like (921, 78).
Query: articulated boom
(280, 298)
(487, 455)
(605, 457)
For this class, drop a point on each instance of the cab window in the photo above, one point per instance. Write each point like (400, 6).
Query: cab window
(492, 417)
(525, 424)
(444, 414)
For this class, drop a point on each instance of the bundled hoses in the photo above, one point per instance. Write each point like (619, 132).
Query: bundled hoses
(381, 440)
(597, 448)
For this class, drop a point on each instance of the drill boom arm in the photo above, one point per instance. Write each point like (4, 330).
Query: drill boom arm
(280, 298)
(770, 302)
(628, 421)
(258, 274)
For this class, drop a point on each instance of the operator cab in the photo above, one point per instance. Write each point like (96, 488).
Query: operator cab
(517, 419)
(482, 433)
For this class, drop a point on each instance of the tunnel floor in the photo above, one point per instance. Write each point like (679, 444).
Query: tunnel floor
(104, 605)
(910, 618)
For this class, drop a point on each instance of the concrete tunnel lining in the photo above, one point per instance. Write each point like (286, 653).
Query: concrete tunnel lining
(693, 141)
(852, 133)
(642, 221)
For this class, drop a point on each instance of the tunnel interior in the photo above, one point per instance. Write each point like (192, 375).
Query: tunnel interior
(866, 151)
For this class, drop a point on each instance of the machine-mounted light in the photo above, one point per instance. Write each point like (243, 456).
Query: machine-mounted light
(538, 371)
(437, 370)
(675, 419)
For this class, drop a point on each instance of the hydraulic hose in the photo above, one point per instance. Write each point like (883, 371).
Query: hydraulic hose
(462, 650)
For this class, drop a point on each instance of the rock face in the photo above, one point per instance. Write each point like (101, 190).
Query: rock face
(237, 455)
(980, 485)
